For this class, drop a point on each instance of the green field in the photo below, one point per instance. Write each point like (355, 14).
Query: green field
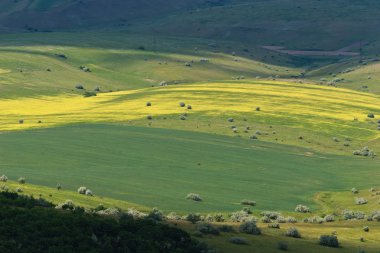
(157, 167)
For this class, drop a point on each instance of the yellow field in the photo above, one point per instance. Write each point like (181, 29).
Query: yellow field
(301, 106)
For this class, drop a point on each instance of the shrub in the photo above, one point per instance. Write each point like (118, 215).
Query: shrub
(335, 139)
(302, 209)
(89, 193)
(110, 212)
(282, 246)
(189, 107)
(281, 219)
(253, 137)
(314, 219)
(354, 191)
(291, 219)
(22, 180)
(247, 210)
(149, 117)
(329, 218)
(266, 219)
(329, 241)
(156, 214)
(182, 104)
(18, 189)
(230, 120)
(248, 202)
(349, 215)
(274, 225)
(193, 217)
(82, 190)
(361, 201)
(148, 104)
(371, 115)
(131, 212)
(214, 217)
(375, 216)
(79, 87)
(194, 196)
(258, 132)
(59, 187)
(293, 232)
(242, 216)
(271, 215)
(366, 229)
(207, 229)
(249, 227)
(182, 117)
(21, 121)
(258, 109)
(173, 216)
(364, 152)
(238, 240)
(67, 205)
(3, 178)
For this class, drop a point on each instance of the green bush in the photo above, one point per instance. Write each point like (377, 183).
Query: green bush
(22, 180)
(248, 202)
(293, 232)
(249, 227)
(207, 229)
(156, 214)
(302, 209)
(194, 196)
(329, 241)
(193, 217)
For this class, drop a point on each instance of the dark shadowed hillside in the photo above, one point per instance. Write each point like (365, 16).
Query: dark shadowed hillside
(52, 14)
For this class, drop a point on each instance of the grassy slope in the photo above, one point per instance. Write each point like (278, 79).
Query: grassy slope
(116, 62)
(154, 167)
